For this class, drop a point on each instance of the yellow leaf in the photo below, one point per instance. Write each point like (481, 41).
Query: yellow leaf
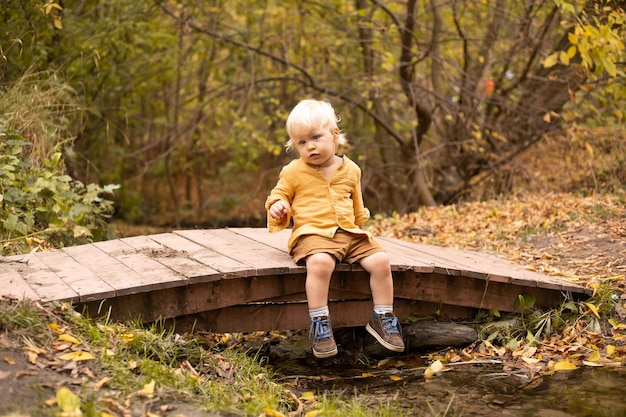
(595, 356)
(571, 51)
(272, 413)
(307, 396)
(314, 413)
(396, 378)
(148, 390)
(67, 338)
(367, 375)
(593, 309)
(436, 366)
(564, 366)
(551, 60)
(428, 373)
(77, 356)
(54, 327)
(610, 350)
(104, 414)
(68, 402)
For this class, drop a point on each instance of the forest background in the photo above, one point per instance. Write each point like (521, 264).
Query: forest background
(171, 113)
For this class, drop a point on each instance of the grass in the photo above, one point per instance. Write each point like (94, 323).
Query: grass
(151, 367)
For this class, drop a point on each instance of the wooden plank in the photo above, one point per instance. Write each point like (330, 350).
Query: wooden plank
(173, 258)
(276, 240)
(77, 276)
(178, 301)
(119, 276)
(45, 283)
(227, 267)
(156, 274)
(441, 263)
(248, 318)
(264, 260)
(497, 268)
(14, 286)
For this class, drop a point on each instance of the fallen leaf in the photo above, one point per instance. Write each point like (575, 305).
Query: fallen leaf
(9, 360)
(272, 413)
(307, 396)
(594, 357)
(610, 350)
(396, 378)
(564, 366)
(148, 390)
(594, 309)
(530, 361)
(68, 402)
(314, 413)
(367, 375)
(79, 355)
(68, 338)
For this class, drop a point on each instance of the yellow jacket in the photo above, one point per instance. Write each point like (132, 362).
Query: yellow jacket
(319, 206)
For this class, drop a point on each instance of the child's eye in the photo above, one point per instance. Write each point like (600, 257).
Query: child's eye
(316, 137)
(302, 142)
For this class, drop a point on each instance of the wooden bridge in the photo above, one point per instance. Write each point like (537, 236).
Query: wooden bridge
(242, 279)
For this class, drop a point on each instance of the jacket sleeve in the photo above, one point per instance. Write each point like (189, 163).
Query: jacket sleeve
(282, 191)
(361, 213)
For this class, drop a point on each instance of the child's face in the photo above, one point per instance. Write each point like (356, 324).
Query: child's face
(317, 147)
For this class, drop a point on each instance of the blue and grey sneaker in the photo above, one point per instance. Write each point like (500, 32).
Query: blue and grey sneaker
(387, 331)
(321, 332)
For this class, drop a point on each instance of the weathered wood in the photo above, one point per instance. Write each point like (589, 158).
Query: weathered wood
(77, 276)
(14, 286)
(417, 336)
(294, 316)
(177, 260)
(438, 333)
(46, 284)
(119, 276)
(244, 280)
(263, 259)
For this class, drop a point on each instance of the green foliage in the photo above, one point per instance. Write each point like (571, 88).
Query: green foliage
(42, 206)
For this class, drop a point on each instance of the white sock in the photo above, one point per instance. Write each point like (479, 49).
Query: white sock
(317, 312)
(382, 309)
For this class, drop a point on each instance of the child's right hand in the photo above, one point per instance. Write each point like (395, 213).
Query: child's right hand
(279, 209)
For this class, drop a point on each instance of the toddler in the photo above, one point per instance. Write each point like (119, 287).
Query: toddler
(321, 192)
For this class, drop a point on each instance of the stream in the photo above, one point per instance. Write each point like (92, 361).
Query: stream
(466, 389)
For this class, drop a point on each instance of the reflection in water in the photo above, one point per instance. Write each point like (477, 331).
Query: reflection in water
(467, 390)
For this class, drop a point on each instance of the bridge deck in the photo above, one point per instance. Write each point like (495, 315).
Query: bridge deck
(242, 279)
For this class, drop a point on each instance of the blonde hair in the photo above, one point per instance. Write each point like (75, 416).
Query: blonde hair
(309, 115)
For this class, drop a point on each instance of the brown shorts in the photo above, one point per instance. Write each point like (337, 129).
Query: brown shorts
(344, 246)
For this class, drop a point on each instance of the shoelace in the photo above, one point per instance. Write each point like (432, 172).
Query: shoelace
(391, 325)
(320, 328)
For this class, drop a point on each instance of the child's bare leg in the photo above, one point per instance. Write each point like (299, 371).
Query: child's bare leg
(381, 281)
(319, 269)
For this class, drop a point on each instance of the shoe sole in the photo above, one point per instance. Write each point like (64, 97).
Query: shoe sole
(322, 355)
(380, 340)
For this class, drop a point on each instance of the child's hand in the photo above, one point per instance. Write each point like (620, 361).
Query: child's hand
(279, 209)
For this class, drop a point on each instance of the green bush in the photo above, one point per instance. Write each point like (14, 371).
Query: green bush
(41, 207)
